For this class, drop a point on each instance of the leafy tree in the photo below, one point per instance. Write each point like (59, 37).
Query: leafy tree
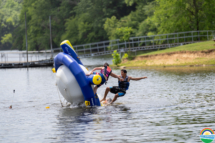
(124, 33)
(9, 20)
(147, 25)
(116, 58)
(7, 38)
(183, 15)
(110, 27)
(133, 20)
(90, 18)
(38, 12)
(80, 21)
(85, 21)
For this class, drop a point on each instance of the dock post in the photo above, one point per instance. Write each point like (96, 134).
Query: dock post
(50, 36)
(26, 39)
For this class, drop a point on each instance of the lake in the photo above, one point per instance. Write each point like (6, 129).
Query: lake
(171, 105)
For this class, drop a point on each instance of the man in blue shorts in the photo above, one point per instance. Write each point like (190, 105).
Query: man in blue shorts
(120, 90)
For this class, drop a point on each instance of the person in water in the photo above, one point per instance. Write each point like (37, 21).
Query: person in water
(120, 90)
(105, 72)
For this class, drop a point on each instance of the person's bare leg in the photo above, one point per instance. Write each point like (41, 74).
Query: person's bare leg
(115, 98)
(106, 92)
(95, 89)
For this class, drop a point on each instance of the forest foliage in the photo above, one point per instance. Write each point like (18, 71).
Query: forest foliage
(86, 21)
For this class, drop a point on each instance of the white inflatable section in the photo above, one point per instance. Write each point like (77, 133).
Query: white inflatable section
(68, 86)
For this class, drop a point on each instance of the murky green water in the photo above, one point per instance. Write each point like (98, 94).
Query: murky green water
(171, 105)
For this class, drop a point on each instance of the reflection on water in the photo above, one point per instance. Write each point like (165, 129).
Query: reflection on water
(82, 124)
(171, 105)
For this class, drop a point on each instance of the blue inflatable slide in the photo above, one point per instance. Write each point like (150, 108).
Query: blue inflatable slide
(70, 59)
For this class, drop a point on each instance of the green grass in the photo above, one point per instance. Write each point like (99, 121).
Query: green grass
(201, 46)
(190, 47)
(143, 63)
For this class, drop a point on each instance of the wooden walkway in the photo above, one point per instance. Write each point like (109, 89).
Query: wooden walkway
(41, 63)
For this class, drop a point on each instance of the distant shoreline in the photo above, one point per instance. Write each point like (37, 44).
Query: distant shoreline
(193, 55)
(135, 67)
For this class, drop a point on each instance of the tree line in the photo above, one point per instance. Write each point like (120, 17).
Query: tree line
(86, 21)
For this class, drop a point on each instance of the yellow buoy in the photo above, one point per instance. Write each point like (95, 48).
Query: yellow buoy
(87, 103)
(53, 70)
(97, 79)
(47, 107)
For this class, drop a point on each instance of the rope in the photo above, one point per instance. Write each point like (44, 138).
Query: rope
(59, 97)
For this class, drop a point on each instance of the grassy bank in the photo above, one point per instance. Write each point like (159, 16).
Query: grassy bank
(202, 53)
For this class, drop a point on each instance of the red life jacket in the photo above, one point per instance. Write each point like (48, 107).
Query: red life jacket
(106, 71)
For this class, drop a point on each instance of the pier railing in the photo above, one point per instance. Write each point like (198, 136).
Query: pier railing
(143, 43)
(134, 44)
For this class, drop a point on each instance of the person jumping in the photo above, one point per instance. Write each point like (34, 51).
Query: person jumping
(105, 72)
(120, 90)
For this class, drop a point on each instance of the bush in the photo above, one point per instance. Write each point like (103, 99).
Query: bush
(125, 56)
(116, 58)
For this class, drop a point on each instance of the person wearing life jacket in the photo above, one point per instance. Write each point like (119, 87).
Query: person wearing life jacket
(105, 72)
(123, 85)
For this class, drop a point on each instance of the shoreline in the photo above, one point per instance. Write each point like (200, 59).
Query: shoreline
(173, 59)
(176, 66)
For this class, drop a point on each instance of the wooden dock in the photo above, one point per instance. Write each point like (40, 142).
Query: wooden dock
(41, 63)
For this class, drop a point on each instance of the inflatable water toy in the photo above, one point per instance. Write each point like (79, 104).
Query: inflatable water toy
(71, 79)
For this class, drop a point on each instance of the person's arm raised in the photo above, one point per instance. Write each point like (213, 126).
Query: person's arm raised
(97, 68)
(114, 75)
(137, 78)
